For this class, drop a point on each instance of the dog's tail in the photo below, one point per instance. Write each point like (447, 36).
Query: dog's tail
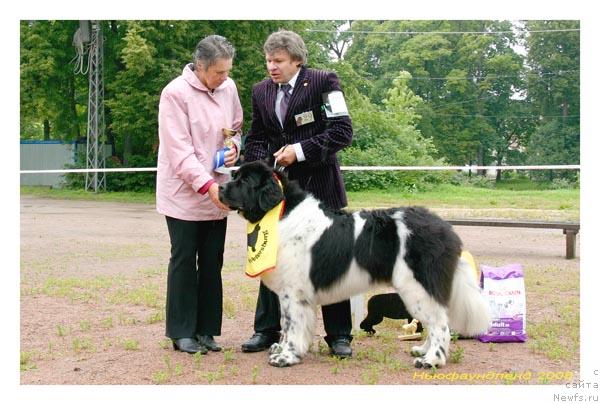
(468, 312)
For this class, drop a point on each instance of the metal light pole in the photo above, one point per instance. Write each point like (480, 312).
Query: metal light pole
(95, 128)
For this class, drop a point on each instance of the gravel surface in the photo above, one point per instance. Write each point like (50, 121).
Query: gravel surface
(93, 279)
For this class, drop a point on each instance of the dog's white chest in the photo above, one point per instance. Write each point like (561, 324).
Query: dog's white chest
(298, 233)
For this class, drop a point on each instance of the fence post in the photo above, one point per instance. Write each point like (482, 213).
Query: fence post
(571, 236)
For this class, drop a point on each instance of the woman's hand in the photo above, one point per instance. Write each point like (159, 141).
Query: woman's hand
(213, 193)
(230, 156)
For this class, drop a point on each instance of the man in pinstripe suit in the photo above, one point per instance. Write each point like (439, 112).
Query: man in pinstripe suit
(288, 124)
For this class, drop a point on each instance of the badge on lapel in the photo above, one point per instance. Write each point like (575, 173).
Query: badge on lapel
(304, 118)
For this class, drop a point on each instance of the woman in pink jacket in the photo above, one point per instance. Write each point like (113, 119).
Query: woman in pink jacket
(194, 109)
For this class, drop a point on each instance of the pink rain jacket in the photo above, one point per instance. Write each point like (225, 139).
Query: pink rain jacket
(190, 119)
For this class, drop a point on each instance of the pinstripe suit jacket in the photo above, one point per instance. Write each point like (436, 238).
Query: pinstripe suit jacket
(320, 140)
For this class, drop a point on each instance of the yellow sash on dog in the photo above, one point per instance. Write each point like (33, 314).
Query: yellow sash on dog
(476, 273)
(263, 238)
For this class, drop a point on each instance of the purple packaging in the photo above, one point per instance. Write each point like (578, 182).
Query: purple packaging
(504, 290)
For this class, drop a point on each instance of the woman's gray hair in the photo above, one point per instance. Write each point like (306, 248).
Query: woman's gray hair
(288, 41)
(210, 49)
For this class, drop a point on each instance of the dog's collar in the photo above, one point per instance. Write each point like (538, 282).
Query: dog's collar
(277, 180)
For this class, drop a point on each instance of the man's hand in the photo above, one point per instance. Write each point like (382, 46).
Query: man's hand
(286, 156)
(230, 156)
(213, 193)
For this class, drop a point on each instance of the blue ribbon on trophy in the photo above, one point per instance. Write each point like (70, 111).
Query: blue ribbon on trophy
(219, 161)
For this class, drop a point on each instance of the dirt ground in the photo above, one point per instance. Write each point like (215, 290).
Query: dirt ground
(93, 281)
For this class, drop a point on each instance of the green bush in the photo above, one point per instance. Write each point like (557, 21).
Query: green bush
(563, 183)
(126, 181)
(131, 181)
(475, 180)
(396, 180)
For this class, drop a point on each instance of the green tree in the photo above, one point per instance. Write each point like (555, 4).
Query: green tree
(50, 91)
(135, 100)
(553, 91)
(387, 135)
(466, 97)
(466, 81)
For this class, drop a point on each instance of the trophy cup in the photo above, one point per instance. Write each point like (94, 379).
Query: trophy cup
(219, 165)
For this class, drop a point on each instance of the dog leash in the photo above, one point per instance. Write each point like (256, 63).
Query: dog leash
(279, 168)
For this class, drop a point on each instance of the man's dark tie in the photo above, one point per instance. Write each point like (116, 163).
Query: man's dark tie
(283, 106)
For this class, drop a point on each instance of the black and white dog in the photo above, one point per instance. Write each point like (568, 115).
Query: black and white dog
(327, 256)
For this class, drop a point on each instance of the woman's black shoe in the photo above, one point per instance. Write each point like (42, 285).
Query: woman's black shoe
(189, 345)
(208, 342)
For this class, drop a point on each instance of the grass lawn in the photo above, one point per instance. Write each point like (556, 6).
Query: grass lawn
(80, 194)
(452, 196)
(531, 203)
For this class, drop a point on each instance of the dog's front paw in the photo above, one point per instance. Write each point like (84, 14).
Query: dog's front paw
(283, 359)
(422, 363)
(275, 348)
(429, 362)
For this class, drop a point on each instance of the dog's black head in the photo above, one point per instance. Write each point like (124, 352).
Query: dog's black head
(253, 191)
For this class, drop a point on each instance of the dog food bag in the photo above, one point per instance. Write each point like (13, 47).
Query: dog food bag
(504, 290)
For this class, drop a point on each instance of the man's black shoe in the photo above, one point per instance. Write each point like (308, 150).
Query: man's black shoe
(260, 341)
(208, 342)
(341, 348)
(189, 345)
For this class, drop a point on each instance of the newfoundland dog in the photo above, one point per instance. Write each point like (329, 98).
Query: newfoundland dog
(326, 256)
